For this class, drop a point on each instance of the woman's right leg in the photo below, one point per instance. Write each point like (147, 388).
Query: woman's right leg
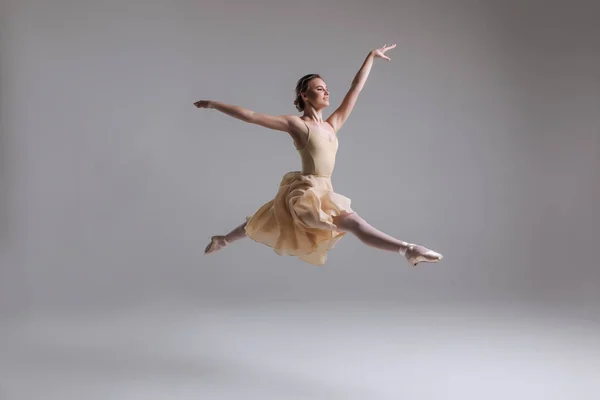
(218, 242)
(373, 237)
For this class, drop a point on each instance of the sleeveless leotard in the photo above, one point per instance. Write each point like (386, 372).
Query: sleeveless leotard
(318, 155)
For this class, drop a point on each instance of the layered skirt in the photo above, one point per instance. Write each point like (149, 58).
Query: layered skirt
(299, 220)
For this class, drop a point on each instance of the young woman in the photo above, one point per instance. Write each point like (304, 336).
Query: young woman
(307, 218)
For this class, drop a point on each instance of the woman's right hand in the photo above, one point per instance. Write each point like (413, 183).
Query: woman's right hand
(203, 104)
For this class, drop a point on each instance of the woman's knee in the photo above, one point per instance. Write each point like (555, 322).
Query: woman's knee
(348, 221)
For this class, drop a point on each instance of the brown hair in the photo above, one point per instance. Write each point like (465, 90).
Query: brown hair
(302, 86)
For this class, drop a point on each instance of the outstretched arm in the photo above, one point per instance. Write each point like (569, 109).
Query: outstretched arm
(279, 122)
(341, 114)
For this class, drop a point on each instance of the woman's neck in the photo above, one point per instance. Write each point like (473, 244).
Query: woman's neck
(313, 115)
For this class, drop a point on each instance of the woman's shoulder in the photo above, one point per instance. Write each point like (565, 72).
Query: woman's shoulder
(297, 123)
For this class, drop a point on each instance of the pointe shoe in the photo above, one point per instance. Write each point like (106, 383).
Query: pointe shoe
(216, 244)
(416, 254)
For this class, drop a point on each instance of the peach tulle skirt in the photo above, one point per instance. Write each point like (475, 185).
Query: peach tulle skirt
(299, 220)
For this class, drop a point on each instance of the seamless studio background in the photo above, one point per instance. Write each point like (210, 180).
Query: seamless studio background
(479, 139)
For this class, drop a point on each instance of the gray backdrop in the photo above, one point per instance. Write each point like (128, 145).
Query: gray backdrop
(479, 139)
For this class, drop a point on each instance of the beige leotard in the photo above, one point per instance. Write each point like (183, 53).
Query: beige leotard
(318, 154)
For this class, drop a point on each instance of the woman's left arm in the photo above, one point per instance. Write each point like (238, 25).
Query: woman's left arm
(341, 114)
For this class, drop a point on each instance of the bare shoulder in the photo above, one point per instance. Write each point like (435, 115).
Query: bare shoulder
(332, 126)
(331, 121)
(297, 128)
(295, 122)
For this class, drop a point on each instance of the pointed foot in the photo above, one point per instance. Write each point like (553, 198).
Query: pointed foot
(416, 254)
(216, 244)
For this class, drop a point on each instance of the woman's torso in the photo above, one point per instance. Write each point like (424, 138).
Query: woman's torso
(318, 150)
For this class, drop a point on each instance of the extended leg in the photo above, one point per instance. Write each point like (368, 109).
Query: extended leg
(218, 242)
(375, 238)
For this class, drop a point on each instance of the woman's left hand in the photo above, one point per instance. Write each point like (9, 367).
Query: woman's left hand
(381, 52)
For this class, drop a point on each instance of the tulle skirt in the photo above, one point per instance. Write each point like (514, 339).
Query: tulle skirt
(299, 220)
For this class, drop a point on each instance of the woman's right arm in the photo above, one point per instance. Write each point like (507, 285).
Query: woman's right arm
(280, 122)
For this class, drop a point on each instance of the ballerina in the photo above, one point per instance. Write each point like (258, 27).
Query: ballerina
(306, 218)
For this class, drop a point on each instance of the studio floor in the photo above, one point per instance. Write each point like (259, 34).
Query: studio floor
(289, 351)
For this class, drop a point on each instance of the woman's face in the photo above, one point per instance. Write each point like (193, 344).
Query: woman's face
(317, 94)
